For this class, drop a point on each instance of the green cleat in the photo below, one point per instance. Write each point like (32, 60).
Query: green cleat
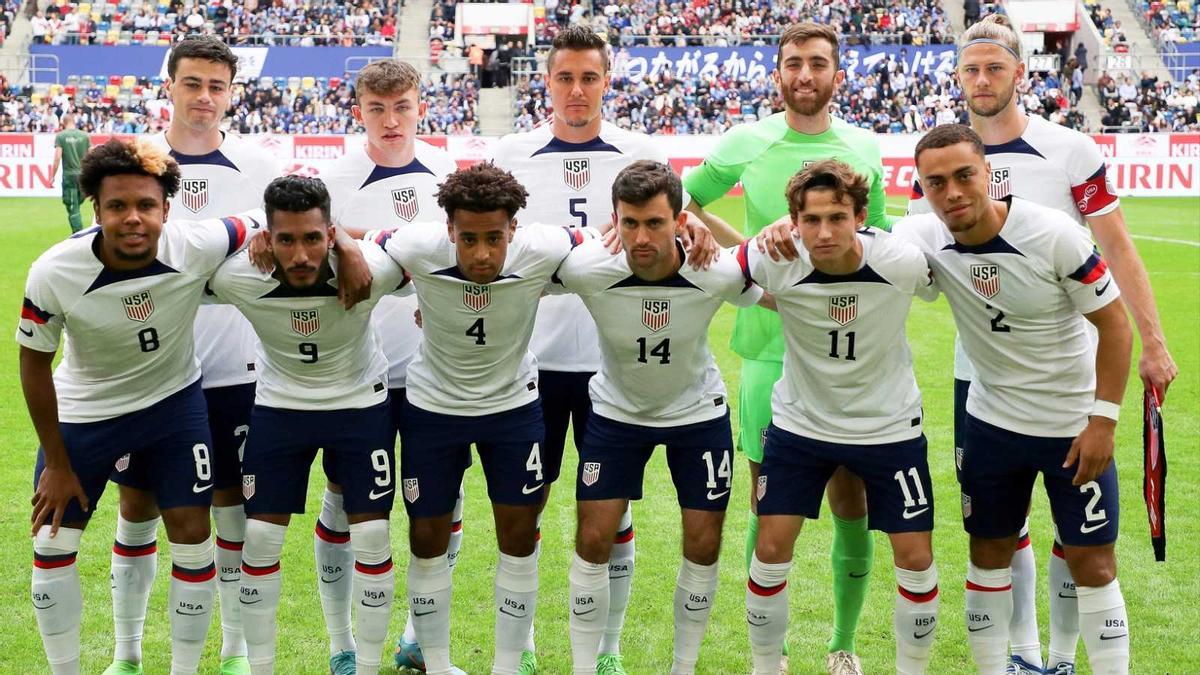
(528, 663)
(609, 664)
(123, 668)
(342, 663)
(235, 665)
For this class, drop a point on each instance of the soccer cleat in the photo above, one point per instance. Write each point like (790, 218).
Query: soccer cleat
(235, 665)
(342, 663)
(408, 655)
(609, 664)
(1019, 666)
(843, 662)
(1063, 668)
(123, 668)
(529, 664)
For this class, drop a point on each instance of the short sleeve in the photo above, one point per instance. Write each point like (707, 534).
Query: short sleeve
(736, 288)
(758, 268)
(719, 171)
(208, 243)
(1082, 271)
(42, 319)
(389, 278)
(917, 203)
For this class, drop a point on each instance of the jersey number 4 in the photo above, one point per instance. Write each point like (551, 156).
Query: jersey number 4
(476, 331)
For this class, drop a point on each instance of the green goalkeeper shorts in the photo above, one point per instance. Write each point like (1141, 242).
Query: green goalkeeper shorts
(754, 405)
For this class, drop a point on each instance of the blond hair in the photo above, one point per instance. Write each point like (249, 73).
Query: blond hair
(387, 77)
(995, 27)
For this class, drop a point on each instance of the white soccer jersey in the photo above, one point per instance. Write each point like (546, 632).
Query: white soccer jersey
(129, 341)
(231, 179)
(1018, 302)
(372, 197)
(656, 369)
(847, 369)
(569, 184)
(315, 355)
(474, 356)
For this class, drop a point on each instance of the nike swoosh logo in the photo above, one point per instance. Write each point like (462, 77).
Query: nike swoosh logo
(976, 630)
(375, 496)
(367, 604)
(579, 613)
(251, 603)
(27, 333)
(918, 636)
(858, 576)
(910, 515)
(757, 625)
(1113, 637)
(53, 604)
(1087, 529)
(188, 613)
(515, 616)
(712, 497)
(197, 489)
(693, 609)
(619, 576)
(526, 490)
(1067, 597)
(432, 611)
(230, 580)
(1100, 291)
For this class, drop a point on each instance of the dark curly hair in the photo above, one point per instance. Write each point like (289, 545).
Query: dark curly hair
(296, 194)
(207, 47)
(481, 188)
(644, 180)
(127, 157)
(827, 174)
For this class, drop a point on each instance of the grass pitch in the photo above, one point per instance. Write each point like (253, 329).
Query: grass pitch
(1163, 622)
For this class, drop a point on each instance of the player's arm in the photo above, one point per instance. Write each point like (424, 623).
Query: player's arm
(1093, 448)
(354, 273)
(712, 179)
(723, 232)
(58, 484)
(57, 160)
(877, 215)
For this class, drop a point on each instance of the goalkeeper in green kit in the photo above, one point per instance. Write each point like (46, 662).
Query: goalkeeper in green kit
(764, 155)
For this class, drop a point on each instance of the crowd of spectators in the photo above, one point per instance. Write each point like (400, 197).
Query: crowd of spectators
(1171, 21)
(1110, 28)
(1149, 104)
(8, 15)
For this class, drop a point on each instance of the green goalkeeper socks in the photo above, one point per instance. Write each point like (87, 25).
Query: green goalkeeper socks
(852, 556)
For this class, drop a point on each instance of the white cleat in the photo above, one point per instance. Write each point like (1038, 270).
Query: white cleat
(843, 663)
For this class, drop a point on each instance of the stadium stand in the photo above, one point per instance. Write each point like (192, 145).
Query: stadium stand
(1171, 22)
(1150, 104)
(1111, 30)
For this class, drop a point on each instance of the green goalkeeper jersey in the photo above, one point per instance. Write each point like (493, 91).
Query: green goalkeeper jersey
(764, 155)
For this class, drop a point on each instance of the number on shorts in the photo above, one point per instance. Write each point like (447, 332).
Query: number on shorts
(534, 463)
(309, 350)
(203, 465)
(1090, 513)
(242, 432)
(716, 471)
(148, 339)
(383, 466)
(909, 502)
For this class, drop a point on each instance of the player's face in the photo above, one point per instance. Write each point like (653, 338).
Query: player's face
(391, 120)
(827, 225)
(300, 242)
(808, 75)
(577, 84)
(988, 75)
(955, 179)
(481, 241)
(647, 233)
(200, 93)
(130, 210)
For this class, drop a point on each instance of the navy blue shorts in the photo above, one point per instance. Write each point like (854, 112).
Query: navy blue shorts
(435, 450)
(961, 389)
(999, 470)
(613, 456)
(795, 470)
(169, 440)
(565, 400)
(359, 442)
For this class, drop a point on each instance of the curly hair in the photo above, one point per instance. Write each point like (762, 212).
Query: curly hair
(296, 194)
(827, 174)
(207, 47)
(644, 180)
(481, 188)
(127, 157)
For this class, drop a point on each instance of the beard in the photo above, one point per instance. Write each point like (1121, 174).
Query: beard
(809, 107)
(1003, 98)
(134, 257)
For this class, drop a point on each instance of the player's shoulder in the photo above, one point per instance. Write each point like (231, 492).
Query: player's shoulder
(237, 278)
(437, 160)
(850, 133)
(1031, 223)
(353, 164)
(250, 158)
(743, 142)
(70, 252)
(1055, 140)
(724, 272)
(591, 267)
(415, 242)
(925, 230)
(521, 144)
(888, 250)
(627, 142)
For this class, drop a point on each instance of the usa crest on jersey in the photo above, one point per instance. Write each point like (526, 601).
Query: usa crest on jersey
(405, 201)
(1000, 186)
(656, 314)
(139, 306)
(590, 473)
(194, 193)
(412, 490)
(843, 308)
(476, 297)
(305, 322)
(577, 172)
(986, 280)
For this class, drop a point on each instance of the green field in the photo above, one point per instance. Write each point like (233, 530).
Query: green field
(1162, 624)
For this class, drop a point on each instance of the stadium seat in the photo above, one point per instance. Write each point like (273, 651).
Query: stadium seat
(128, 82)
(114, 79)
(308, 82)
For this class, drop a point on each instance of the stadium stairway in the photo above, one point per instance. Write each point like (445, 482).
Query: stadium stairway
(413, 44)
(1144, 49)
(14, 55)
(495, 111)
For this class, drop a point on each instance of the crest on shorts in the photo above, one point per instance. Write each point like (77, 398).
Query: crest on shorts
(986, 280)
(843, 308)
(305, 322)
(577, 172)
(958, 456)
(999, 186)
(966, 505)
(247, 486)
(590, 473)
(656, 314)
(476, 297)
(405, 201)
(761, 488)
(194, 193)
(122, 463)
(412, 490)
(139, 306)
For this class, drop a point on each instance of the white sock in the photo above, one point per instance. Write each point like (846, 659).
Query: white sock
(58, 597)
(374, 586)
(134, 565)
(452, 551)
(915, 618)
(190, 602)
(261, 581)
(516, 602)
(1064, 610)
(335, 562)
(590, 596)
(989, 614)
(429, 593)
(1023, 631)
(767, 613)
(620, 583)
(695, 592)
(537, 552)
(231, 533)
(1105, 628)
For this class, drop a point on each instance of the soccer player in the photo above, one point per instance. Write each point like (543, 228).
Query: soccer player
(1061, 168)
(323, 385)
(764, 156)
(70, 145)
(123, 295)
(658, 385)
(848, 398)
(1024, 282)
(387, 182)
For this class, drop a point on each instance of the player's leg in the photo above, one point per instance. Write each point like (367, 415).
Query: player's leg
(851, 557)
(754, 415)
(597, 524)
(917, 600)
(1064, 611)
(134, 562)
(72, 200)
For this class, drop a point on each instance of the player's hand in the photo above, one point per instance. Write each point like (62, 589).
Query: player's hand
(698, 241)
(55, 489)
(612, 240)
(1157, 369)
(260, 253)
(767, 301)
(776, 240)
(354, 277)
(1092, 449)
(417, 318)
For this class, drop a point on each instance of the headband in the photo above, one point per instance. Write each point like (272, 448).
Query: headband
(989, 41)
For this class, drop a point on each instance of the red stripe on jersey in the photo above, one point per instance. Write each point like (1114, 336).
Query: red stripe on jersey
(917, 191)
(918, 597)
(260, 571)
(34, 313)
(237, 233)
(1093, 194)
(763, 590)
(1091, 270)
(194, 576)
(743, 258)
(380, 568)
(576, 236)
(135, 551)
(330, 535)
(229, 545)
(972, 586)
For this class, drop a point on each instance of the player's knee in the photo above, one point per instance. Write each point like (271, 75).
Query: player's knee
(187, 525)
(770, 550)
(992, 553)
(137, 506)
(1092, 565)
(517, 536)
(917, 560)
(428, 537)
(702, 547)
(371, 541)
